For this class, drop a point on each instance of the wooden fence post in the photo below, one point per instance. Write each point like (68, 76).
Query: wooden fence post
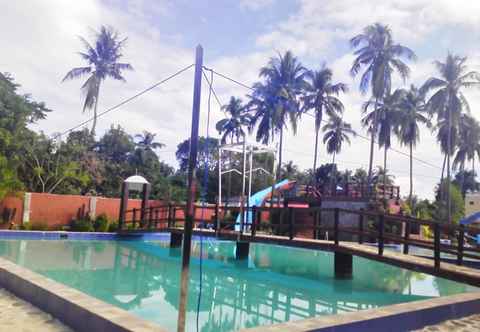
(217, 219)
(169, 216)
(436, 245)
(134, 217)
(381, 230)
(156, 218)
(335, 225)
(150, 218)
(461, 240)
(254, 220)
(406, 236)
(174, 216)
(360, 227)
(291, 218)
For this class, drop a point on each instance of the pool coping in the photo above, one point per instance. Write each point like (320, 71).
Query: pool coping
(74, 308)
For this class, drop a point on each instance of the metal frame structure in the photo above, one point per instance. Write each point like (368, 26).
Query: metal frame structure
(247, 149)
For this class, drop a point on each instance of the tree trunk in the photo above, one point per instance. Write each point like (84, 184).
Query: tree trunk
(385, 173)
(410, 195)
(449, 152)
(229, 185)
(315, 155)
(279, 168)
(94, 124)
(442, 189)
(372, 144)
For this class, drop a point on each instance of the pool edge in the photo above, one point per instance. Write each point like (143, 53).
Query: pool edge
(396, 317)
(74, 308)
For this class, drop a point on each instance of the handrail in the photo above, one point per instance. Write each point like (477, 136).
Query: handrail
(282, 222)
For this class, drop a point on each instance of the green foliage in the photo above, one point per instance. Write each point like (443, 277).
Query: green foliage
(34, 226)
(112, 227)
(101, 223)
(457, 205)
(84, 224)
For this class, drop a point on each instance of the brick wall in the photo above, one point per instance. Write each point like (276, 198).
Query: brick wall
(56, 210)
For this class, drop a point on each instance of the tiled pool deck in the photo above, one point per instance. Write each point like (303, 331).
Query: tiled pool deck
(84, 313)
(18, 315)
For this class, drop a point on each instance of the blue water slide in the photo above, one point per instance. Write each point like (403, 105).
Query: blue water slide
(471, 219)
(257, 200)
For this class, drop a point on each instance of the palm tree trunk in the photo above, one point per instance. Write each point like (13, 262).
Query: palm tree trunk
(229, 185)
(462, 181)
(385, 172)
(372, 144)
(279, 168)
(315, 154)
(94, 124)
(410, 195)
(442, 189)
(449, 199)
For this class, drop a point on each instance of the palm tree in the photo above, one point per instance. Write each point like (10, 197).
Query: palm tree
(337, 132)
(237, 119)
(322, 95)
(102, 62)
(413, 113)
(233, 127)
(448, 101)
(468, 145)
(275, 102)
(381, 57)
(385, 113)
(146, 141)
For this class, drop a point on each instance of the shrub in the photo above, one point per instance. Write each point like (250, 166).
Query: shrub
(101, 223)
(113, 227)
(81, 225)
(34, 226)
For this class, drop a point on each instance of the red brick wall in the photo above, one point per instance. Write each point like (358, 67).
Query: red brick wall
(57, 210)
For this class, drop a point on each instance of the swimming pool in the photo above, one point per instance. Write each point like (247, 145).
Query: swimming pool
(276, 284)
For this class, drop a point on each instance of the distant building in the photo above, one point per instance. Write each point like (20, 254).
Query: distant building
(472, 203)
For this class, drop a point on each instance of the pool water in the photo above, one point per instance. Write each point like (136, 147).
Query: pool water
(276, 284)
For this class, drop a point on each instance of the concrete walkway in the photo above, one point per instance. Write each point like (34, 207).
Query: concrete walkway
(21, 316)
(466, 324)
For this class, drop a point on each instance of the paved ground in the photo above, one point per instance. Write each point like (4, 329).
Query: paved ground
(20, 316)
(467, 324)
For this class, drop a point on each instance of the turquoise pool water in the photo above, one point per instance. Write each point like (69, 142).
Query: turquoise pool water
(276, 284)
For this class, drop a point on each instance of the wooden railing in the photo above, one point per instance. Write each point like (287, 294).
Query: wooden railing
(281, 221)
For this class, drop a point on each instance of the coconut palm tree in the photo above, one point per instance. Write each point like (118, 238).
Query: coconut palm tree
(233, 127)
(275, 102)
(102, 62)
(468, 145)
(381, 57)
(337, 132)
(321, 95)
(146, 141)
(237, 120)
(383, 118)
(412, 113)
(448, 102)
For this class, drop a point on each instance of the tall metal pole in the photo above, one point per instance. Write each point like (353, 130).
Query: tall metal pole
(242, 197)
(192, 164)
(219, 199)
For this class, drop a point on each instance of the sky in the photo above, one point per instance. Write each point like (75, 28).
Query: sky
(40, 41)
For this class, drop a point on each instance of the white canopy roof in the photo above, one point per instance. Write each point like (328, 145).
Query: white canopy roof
(253, 147)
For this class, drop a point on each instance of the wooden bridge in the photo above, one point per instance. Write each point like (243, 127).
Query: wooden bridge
(324, 229)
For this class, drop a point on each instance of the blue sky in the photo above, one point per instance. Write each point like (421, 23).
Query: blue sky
(238, 37)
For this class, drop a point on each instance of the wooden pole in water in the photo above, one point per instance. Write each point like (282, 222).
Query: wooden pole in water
(192, 164)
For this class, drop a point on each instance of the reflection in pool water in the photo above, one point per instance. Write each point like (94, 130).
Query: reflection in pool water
(276, 284)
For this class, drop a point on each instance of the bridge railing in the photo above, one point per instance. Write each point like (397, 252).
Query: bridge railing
(332, 224)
